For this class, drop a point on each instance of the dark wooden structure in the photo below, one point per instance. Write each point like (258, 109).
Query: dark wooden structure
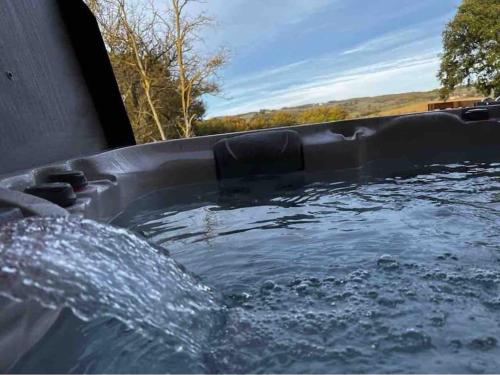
(461, 103)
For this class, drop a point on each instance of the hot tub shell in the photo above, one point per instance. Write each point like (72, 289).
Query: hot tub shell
(87, 130)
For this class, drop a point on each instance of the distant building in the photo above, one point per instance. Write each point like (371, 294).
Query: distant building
(469, 102)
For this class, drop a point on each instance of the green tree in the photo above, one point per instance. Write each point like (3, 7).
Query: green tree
(471, 44)
(282, 118)
(260, 120)
(322, 114)
(219, 125)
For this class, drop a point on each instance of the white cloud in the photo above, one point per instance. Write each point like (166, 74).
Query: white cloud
(385, 41)
(244, 24)
(272, 72)
(343, 74)
(392, 76)
(345, 60)
(399, 37)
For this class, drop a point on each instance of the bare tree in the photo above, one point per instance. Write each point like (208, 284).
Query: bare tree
(160, 75)
(142, 58)
(195, 72)
(136, 31)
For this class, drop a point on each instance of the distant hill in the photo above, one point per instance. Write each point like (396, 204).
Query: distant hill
(383, 105)
(335, 110)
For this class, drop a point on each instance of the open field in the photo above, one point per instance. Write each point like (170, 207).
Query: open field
(415, 107)
(384, 105)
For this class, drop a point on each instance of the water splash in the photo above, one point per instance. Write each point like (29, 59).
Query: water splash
(101, 272)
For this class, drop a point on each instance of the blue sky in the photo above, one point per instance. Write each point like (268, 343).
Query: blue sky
(293, 52)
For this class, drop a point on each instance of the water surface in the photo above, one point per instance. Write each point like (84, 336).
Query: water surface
(396, 274)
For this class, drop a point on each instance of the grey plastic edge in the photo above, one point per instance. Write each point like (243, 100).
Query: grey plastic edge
(119, 176)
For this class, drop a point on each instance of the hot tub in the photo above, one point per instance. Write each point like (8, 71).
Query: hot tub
(363, 245)
(366, 245)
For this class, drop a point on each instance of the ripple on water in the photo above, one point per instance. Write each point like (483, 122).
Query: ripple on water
(385, 275)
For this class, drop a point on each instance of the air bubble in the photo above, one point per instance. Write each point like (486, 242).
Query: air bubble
(387, 262)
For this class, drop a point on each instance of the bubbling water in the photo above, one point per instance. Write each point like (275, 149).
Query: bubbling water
(398, 274)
